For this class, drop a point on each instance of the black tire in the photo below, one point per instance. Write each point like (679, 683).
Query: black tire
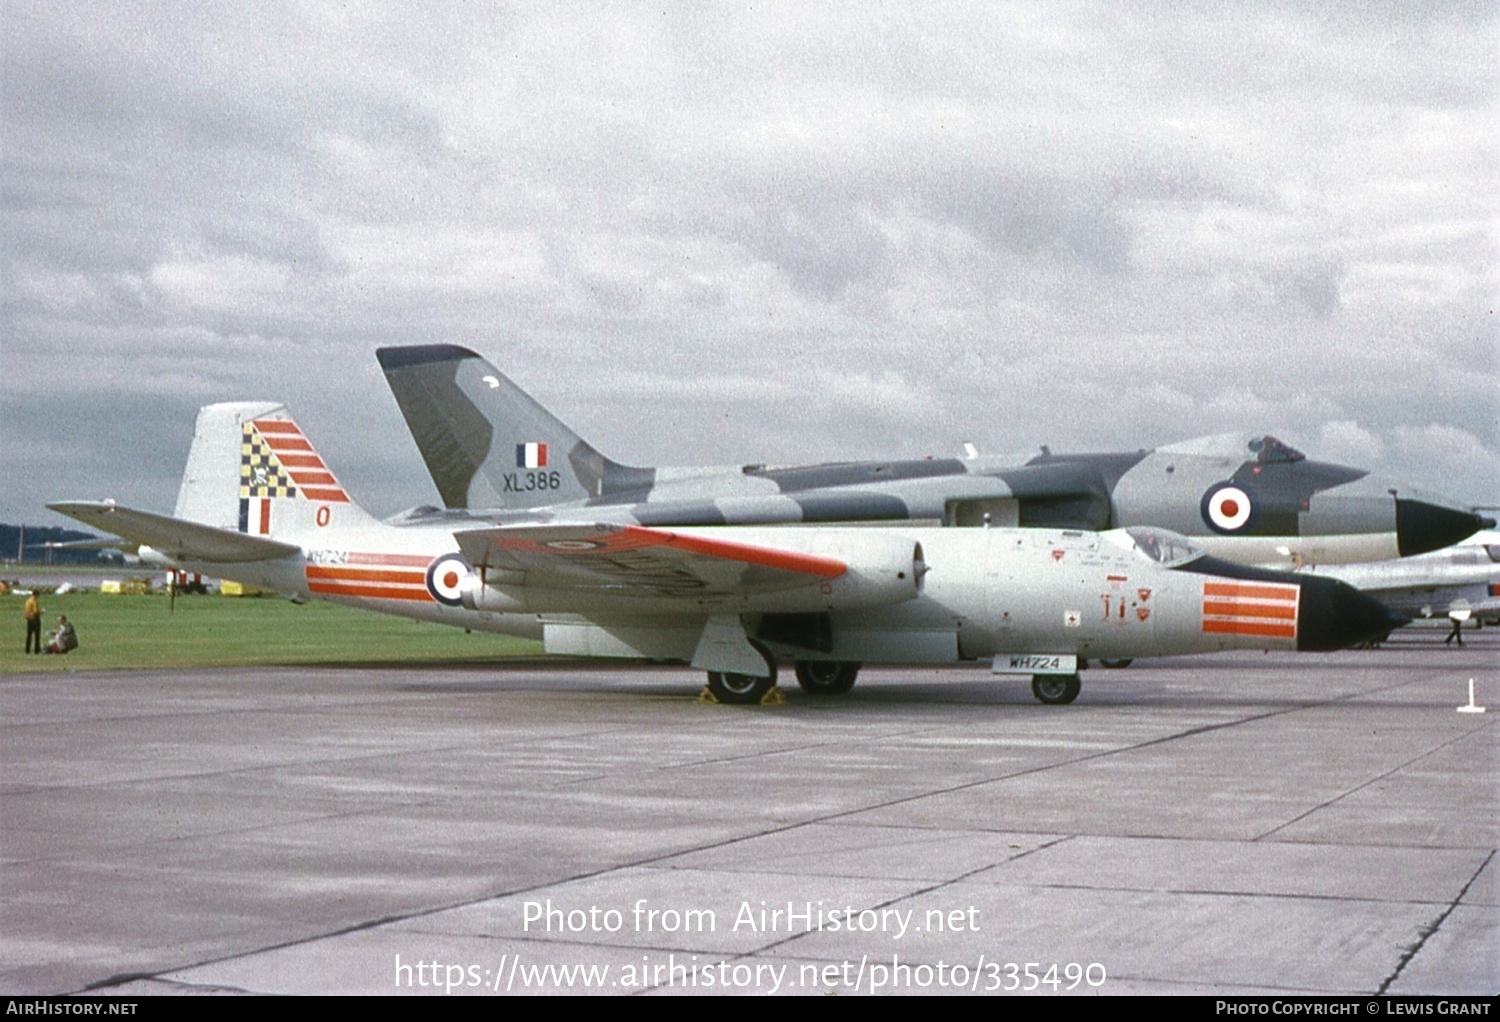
(738, 689)
(744, 689)
(1055, 689)
(826, 677)
(1116, 662)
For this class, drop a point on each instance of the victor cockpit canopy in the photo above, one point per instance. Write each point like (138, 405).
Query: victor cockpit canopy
(1268, 449)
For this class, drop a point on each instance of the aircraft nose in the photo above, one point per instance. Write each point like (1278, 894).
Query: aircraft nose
(1334, 615)
(1422, 525)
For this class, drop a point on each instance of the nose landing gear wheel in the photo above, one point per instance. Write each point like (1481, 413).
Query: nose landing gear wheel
(826, 677)
(1055, 689)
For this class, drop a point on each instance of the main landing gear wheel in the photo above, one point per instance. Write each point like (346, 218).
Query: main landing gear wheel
(739, 689)
(826, 677)
(744, 689)
(1055, 689)
(1118, 662)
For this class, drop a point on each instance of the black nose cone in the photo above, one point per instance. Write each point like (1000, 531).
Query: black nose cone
(1421, 526)
(1334, 615)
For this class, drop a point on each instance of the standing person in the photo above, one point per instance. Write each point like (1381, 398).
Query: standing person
(33, 614)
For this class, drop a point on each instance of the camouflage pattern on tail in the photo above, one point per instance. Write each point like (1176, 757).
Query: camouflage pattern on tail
(487, 444)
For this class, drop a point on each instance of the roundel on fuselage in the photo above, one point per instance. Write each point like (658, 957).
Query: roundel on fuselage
(1228, 508)
(445, 577)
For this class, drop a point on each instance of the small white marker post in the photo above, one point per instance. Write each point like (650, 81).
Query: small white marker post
(1471, 708)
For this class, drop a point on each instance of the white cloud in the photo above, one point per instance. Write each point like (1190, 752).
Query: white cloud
(866, 231)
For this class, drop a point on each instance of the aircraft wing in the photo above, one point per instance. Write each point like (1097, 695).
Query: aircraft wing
(175, 537)
(631, 560)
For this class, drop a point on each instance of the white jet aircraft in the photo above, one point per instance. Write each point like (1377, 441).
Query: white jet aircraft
(259, 505)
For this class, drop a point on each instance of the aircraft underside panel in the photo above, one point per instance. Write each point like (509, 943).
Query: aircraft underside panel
(581, 638)
(895, 647)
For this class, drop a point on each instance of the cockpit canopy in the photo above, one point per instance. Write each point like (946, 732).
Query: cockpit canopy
(1159, 546)
(1268, 449)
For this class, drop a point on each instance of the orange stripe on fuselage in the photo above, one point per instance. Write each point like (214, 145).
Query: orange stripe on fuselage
(369, 591)
(1269, 629)
(402, 560)
(367, 575)
(1248, 608)
(1250, 591)
(1241, 608)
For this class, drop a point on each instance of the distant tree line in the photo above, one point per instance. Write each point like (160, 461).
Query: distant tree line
(36, 538)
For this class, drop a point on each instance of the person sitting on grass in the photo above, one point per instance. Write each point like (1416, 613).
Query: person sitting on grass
(62, 638)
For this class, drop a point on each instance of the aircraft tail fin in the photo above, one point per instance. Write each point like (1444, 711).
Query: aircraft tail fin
(252, 471)
(487, 443)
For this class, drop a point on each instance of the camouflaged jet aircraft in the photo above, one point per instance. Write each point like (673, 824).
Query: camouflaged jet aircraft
(490, 447)
(259, 505)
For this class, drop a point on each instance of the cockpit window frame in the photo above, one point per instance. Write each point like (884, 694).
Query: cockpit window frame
(1270, 451)
(1162, 547)
(1274, 452)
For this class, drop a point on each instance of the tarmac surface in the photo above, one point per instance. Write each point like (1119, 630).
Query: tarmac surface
(1247, 823)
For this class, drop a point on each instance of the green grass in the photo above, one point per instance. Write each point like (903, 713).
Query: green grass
(117, 632)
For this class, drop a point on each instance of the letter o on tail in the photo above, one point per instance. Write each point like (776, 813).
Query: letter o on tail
(445, 577)
(1228, 509)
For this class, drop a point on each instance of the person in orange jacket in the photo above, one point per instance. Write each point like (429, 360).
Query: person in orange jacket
(33, 614)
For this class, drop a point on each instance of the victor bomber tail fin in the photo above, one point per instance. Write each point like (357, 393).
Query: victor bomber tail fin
(251, 470)
(487, 443)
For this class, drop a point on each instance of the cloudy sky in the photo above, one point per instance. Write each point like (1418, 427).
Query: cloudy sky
(732, 232)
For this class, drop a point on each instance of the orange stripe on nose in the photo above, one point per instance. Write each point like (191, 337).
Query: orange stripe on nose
(1269, 629)
(1241, 608)
(1250, 591)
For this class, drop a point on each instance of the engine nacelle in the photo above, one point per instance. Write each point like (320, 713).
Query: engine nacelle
(881, 569)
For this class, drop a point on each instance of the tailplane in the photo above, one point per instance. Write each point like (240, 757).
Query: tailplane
(488, 444)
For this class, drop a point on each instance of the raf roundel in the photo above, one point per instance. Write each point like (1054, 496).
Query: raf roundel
(445, 577)
(1227, 508)
(573, 546)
